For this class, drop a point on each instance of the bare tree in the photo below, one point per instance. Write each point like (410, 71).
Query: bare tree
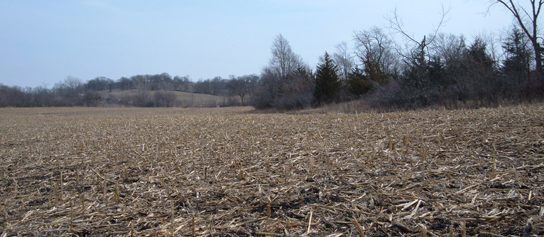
(449, 48)
(239, 86)
(73, 82)
(284, 61)
(164, 98)
(420, 47)
(285, 81)
(375, 46)
(140, 82)
(527, 20)
(217, 85)
(343, 60)
(69, 89)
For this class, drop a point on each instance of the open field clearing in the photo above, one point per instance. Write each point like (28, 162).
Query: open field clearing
(227, 172)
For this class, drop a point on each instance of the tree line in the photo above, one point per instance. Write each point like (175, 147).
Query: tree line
(149, 91)
(439, 69)
(445, 70)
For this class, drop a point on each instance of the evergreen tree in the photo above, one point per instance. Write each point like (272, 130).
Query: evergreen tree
(485, 84)
(327, 82)
(374, 71)
(518, 56)
(515, 72)
(358, 83)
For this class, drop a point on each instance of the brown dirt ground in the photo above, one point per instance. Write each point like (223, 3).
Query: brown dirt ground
(226, 172)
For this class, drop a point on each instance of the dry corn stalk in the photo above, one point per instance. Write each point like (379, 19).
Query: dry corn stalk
(218, 168)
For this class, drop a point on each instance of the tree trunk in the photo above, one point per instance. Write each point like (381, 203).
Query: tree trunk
(538, 58)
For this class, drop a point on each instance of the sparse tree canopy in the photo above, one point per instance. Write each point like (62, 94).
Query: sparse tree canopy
(284, 61)
(527, 20)
(375, 46)
(72, 82)
(240, 86)
(285, 83)
(343, 60)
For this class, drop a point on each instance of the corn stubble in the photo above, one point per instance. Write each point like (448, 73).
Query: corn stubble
(226, 172)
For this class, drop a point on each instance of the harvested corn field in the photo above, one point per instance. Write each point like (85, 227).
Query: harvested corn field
(229, 172)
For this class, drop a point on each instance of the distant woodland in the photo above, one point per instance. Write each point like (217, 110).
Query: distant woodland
(438, 69)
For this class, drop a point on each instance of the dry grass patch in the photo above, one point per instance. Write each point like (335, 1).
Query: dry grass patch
(184, 98)
(225, 172)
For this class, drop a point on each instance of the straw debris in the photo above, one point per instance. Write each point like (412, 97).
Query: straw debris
(229, 172)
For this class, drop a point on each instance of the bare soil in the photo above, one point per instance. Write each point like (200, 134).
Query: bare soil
(226, 172)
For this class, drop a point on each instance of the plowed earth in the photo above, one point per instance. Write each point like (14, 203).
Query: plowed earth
(229, 172)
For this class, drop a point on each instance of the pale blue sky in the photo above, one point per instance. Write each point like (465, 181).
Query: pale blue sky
(43, 42)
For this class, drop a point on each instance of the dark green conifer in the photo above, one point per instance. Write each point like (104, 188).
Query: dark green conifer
(327, 82)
